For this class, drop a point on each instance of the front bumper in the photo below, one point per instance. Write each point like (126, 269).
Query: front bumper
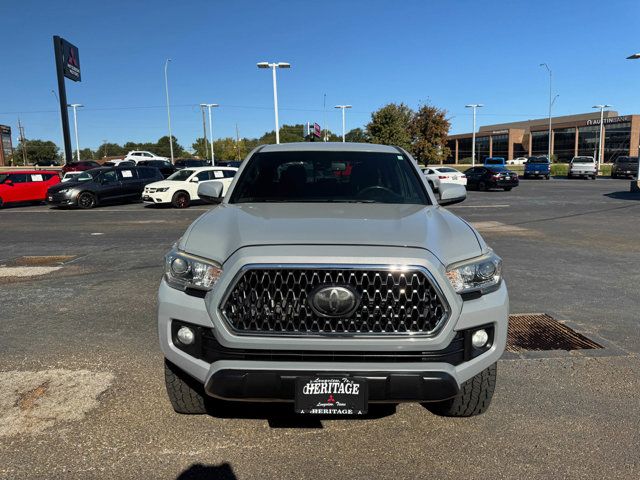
(405, 368)
(62, 199)
(156, 197)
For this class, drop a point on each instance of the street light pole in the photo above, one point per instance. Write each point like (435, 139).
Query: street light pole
(210, 106)
(204, 130)
(343, 108)
(550, 105)
(75, 125)
(636, 56)
(166, 88)
(601, 107)
(475, 106)
(273, 67)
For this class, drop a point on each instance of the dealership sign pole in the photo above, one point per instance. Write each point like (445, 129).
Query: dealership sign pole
(67, 65)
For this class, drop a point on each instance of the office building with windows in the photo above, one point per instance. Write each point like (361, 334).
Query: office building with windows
(571, 135)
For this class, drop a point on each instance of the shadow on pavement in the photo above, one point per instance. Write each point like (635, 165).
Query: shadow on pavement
(623, 195)
(197, 471)
(281, 415)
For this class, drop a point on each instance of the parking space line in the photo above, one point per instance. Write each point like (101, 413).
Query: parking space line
(479, 206)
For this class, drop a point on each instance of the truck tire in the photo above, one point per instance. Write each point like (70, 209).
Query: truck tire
(474, 397)
(185, 393)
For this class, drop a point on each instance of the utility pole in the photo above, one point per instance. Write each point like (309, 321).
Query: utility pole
(104, 142)
(324, 117)
(599, 159)
(204, 130)
(551, 100)
(238, 158)
(166, 88)
(22, 142)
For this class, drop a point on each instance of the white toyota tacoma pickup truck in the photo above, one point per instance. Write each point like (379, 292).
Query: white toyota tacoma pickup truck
(330, 276)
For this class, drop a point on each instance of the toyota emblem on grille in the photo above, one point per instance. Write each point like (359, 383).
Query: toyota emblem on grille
(333, 301)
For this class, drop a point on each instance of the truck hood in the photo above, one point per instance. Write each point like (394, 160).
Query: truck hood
(227, 228)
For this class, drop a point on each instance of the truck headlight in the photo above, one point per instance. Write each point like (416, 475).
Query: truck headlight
(182, 271)
(482, 274)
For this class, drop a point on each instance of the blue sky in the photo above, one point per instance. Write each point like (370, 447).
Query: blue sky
(365, 53)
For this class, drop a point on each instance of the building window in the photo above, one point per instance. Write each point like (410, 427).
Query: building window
(539, 143)
(588, 140)
(564, 144)
(482, 148)
(451, 158)
(617, 139)
(464, 150)
(500, 146)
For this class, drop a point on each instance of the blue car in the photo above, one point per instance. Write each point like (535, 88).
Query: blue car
(538, 167)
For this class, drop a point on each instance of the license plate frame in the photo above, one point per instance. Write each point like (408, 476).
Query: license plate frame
(331, 395)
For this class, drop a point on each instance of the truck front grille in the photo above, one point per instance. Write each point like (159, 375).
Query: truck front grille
(392, 301)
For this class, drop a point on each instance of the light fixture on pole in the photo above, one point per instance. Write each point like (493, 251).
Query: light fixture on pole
(550, 105)
(475, 106)
(210, 106)
(636, 56)
(273, 67)
(601, 107)
(166, 88)
(75, 106)
(343, 108)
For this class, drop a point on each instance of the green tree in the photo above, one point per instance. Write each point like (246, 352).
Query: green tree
(356, 135)
(87, 154)
(430, 128)
(110, 150)
(37, 151)
(163, 148)
(201, 150)
(391, 125)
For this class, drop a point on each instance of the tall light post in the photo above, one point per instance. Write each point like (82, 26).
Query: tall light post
(343, 108)
(601, 107)
(210, 106)
(75, 106)
(273, 67)
(166, 89)
(475, 106)
(551, 100)
(636, 56)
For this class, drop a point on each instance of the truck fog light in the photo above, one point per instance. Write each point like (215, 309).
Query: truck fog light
(478, 340)
(187, 337)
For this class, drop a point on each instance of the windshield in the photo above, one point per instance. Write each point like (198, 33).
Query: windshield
(323, 176)
(494, 161)
(582, 160)
(627, 160)
(180, 175)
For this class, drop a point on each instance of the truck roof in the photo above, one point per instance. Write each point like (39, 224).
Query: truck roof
(329, 147)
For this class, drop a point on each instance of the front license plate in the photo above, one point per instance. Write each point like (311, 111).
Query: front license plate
(507, 178)
(331, 396)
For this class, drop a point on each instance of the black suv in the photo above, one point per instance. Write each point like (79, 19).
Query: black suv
(103, 185)
(166, 167)
(191, 163)
(624, 166)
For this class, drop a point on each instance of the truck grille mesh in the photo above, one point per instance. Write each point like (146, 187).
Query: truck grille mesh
(275, 301)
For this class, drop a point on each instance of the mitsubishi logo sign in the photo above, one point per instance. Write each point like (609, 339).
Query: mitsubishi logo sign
(70, 61)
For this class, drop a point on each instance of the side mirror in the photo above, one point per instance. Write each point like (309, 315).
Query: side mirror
(451, 193)
(195, 180)
(211, 191)
(8, 182)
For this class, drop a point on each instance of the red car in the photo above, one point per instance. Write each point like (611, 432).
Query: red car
(79, 166)
(26, 185)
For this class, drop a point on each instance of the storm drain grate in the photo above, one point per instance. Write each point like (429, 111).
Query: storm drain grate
(539, 331)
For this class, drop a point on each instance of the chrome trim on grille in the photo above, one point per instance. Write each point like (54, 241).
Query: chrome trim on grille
(371, 267)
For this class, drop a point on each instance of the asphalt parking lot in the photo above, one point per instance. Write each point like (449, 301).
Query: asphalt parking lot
(81, 379)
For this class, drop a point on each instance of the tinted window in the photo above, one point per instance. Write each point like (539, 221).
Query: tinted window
(109, 176)
(18, 177)
(229, 173)
(147, 172)
(202, 176)
(312, 176)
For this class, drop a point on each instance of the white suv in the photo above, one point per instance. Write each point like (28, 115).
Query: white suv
(137, 155)
(181, 188)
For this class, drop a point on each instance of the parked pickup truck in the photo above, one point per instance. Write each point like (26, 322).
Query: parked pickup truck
(624, 166)
(490, 161)
(582, 167)
(537, 167)
(331, 291)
